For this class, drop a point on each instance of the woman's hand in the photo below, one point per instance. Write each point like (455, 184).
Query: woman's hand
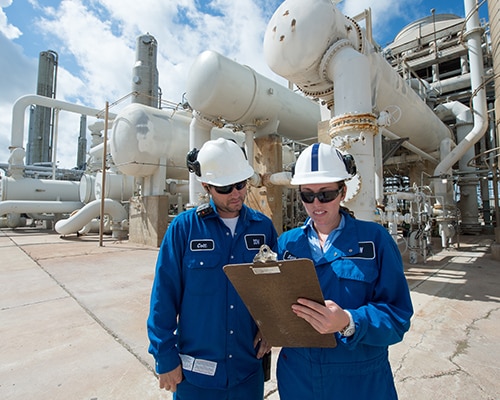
(328, 318)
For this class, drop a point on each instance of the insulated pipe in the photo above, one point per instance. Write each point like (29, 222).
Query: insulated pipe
(44, 171)
(350, 71)
(28, 207)
(38, 189)
(379, 170)
(473, 35)
(357, 108)
(454, 109)
(94, 226)
(90, 211)
(455, 83)
(468, 184)
(280, 179)
(18, 110)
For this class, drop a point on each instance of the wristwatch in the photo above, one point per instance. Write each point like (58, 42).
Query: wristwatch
(350, 328)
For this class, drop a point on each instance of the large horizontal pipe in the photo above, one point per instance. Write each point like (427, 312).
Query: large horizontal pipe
(39, 189)
(28, 206)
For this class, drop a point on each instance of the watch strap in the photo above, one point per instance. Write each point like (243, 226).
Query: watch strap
(350, 328)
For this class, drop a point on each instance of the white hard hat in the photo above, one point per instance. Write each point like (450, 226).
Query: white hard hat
(219, 162)
(322, 163)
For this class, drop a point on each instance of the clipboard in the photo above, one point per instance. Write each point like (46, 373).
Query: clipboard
(269, 289)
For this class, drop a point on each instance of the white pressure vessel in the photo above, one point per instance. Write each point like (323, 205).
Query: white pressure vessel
(144, 135)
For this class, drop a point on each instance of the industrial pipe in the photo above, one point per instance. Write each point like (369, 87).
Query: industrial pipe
(29, 206)
(18, 111)
(38, 189)
(90, 211)
(473, 35)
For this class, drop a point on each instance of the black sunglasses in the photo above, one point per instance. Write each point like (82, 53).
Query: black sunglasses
(323, 197)
(229, 188)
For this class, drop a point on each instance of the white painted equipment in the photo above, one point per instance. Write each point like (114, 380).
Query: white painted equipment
(143, 135)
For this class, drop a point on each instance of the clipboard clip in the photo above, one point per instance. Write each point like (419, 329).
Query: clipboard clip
(265, 255)
(267, 260)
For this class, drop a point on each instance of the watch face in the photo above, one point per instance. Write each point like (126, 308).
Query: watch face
(348, 332)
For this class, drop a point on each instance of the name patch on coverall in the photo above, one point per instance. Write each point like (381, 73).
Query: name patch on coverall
(288, 256)
(202, 245)
(255, 241)
(366, 251)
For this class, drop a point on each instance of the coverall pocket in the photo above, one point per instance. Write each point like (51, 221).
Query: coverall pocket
(357, 279)
(203, 273)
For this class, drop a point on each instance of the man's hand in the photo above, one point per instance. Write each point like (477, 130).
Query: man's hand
(171, 379)
(328, 318)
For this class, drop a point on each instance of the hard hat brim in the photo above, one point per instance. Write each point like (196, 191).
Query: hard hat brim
(237, 176)
(315, 177)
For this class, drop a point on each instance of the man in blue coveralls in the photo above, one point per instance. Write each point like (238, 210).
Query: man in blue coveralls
(204, 341)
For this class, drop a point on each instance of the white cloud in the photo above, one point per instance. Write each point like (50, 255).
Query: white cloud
(8, 30)
(102, 57)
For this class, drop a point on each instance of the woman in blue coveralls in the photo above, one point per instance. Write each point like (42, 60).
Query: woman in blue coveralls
(367, 300)
(204, 341)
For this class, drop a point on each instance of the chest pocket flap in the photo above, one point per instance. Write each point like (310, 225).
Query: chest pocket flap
(362, 271)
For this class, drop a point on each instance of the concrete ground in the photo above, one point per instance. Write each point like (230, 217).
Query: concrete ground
(72, 321)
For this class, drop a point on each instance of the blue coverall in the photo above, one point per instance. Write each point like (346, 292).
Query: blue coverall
(362, 272)
(195, 313)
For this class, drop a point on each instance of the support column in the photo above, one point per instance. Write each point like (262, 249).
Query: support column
(267, 160)
(149, 219)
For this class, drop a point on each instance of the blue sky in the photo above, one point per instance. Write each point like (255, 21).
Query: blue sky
(95, 42)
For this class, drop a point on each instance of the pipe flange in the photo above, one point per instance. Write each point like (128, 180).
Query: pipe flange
(325, 60)
(322, 70)
(359, 33)
(320, 93)
(328, 55)
(477, 29)
(353, 122)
